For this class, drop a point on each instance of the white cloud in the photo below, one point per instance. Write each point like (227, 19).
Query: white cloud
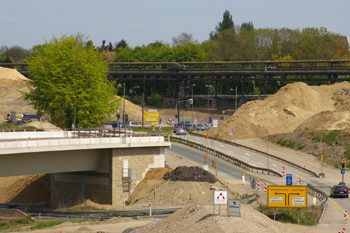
(9, 19)
(134, 25)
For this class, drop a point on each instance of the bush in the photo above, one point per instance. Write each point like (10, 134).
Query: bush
(155, 100)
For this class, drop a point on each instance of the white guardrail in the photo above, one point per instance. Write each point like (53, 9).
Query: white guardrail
(30, 142)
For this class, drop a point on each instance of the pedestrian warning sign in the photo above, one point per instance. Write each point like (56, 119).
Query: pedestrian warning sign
(220, 197)
(343, 160)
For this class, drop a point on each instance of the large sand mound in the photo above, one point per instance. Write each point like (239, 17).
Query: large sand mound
(11, 100)
(183, 186)
(329, 120)
(282, 112)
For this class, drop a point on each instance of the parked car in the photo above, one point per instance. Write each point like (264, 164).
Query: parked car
(133, 124)
(339, 191)
(202, 127)
(188, 126)
(113, 124)
(10, 206)
(179, 125)
(180, 131)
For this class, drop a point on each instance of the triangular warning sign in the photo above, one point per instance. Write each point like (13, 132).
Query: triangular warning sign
(222, 196)
(343, 160)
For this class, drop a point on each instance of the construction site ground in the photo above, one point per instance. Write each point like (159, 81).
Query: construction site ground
(295, 107)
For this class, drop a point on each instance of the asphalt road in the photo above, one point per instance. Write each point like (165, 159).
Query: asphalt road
(229, 171)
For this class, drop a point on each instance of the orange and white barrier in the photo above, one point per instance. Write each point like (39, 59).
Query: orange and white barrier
(299, 178)
(265, 187)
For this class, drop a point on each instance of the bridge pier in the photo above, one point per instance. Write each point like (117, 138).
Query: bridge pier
(107, 185)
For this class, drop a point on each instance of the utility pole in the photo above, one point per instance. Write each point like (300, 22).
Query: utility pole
(124, 107)
(178, 110)
(267, 151)
(192, 102)
(143, 108)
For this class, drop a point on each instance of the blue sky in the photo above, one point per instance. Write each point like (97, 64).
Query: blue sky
(29, 22)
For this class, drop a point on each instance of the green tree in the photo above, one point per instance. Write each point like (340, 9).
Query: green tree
(68, 77)
(226, 23)
(247, 26)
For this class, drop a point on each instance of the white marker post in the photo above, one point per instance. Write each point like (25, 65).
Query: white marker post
(243, 179)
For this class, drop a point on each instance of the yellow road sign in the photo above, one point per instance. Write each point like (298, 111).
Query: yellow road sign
(153, 123)
(152, 116)
(282, 196)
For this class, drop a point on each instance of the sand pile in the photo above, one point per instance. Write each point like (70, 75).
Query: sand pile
(133, 111)
(25, 189)
(282, 112)
(179, 192)
(199, 218)
(329, 120)
(11, 100)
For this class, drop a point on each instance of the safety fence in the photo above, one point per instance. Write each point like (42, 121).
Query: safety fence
(320, 195)
(98, 215)
(227, 157)
(261, 152)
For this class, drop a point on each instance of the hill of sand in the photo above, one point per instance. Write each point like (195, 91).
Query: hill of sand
(11, 100)
(327, 120)
(284, 111)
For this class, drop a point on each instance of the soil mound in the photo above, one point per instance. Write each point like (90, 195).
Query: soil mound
(151, 180)
(200, 218)
(282, 112)
(327, 120)
(133, 111)
(196, 174)
(25, 189)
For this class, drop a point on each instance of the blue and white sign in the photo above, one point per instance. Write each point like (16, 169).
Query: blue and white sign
(342, 172)
(234, 208)
(160, 120)
(289, 179)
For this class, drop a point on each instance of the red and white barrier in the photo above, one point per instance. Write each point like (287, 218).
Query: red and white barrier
(258, 184)
(345, 216)
(283, 172)
(265, 187)
(250, 180)
(299, 178)
(343, 230)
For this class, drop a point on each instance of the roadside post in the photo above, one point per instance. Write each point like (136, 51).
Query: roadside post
(243, 179)
(342, 172)
(345, 216)
(283, 171)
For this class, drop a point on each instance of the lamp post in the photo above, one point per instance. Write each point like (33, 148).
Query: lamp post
(208, 86)
(124, 107)
(235, 97)
(192, 102)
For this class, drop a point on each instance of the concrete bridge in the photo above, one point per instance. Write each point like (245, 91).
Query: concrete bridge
(102, 168)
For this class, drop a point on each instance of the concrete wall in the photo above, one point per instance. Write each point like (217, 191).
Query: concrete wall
(140, 160)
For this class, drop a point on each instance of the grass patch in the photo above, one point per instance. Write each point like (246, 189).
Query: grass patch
(331, 139)
(290, 144)
(16, 223)
(307, 216)
(300, 146)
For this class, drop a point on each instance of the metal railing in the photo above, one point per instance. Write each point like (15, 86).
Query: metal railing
(75, 140)
(262, 152)
(227, 158)
(321, 196)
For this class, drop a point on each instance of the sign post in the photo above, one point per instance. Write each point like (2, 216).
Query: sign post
(283, 196)
(342, 172)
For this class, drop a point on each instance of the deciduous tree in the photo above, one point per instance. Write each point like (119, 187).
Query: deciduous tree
(68, 77)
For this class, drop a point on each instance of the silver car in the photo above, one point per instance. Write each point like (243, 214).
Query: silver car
(181, 131)
(133, 124)
(202, 127)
